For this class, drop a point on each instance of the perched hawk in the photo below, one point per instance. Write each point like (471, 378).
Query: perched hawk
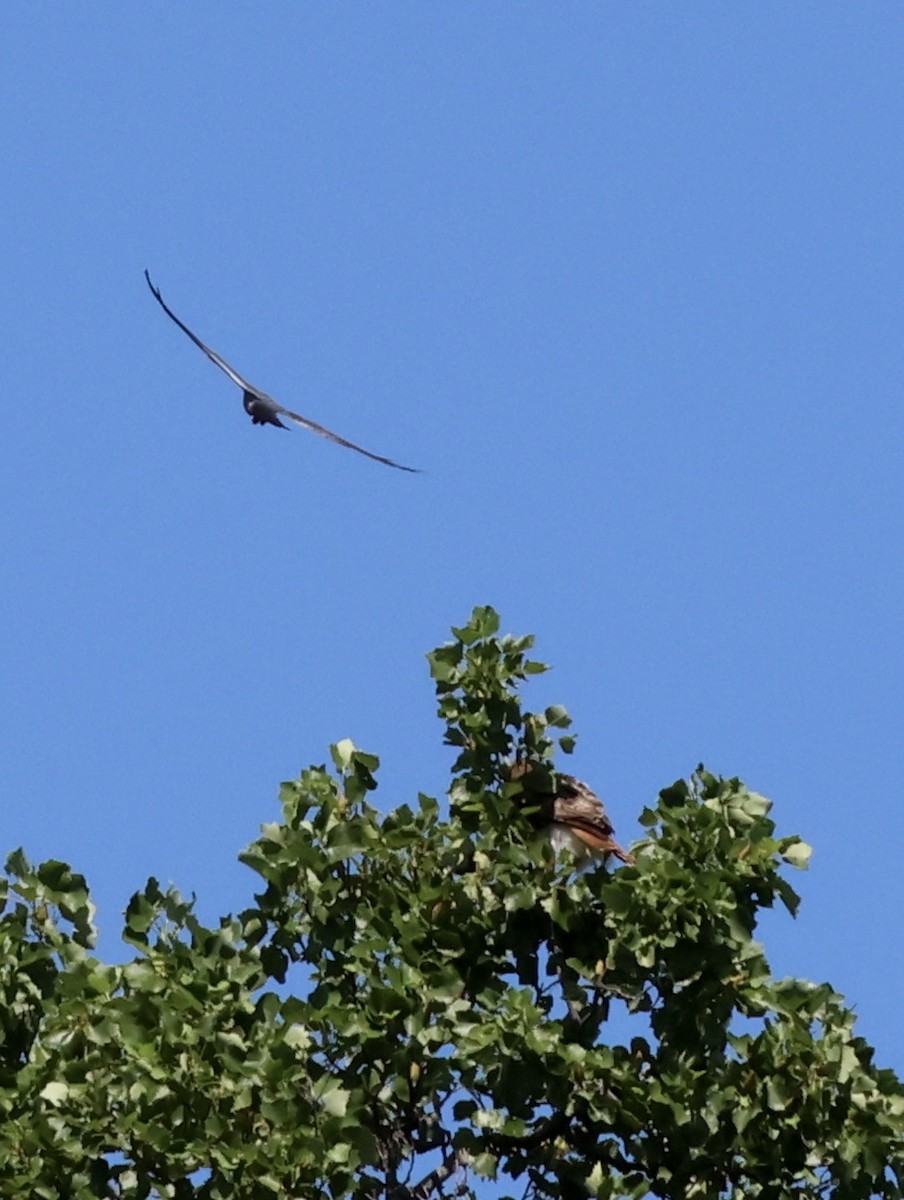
(261, 408)
(573, 815)
(579, 822)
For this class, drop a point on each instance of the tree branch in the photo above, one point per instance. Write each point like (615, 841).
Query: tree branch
(457, 1160)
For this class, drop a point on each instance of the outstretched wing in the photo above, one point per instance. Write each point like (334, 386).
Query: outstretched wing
(307, 423)
(304, 422)
(211, 354)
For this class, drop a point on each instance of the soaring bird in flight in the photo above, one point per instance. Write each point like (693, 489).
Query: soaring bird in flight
(573, 815)
(261, 408)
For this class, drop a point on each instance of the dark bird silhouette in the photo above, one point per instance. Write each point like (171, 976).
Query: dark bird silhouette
(261, 408)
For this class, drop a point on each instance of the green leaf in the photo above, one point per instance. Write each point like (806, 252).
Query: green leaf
(484, 1165)
(532, 667)
(557, 716)
(797, 853)
(343, 753)
(333, 1098)
(55, 1092)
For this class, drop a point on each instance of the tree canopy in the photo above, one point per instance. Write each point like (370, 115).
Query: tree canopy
(421, 1000)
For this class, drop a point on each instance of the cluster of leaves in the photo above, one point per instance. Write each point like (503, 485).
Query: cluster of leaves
(414, 1003)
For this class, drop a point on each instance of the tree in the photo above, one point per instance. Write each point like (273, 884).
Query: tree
(416, 1004)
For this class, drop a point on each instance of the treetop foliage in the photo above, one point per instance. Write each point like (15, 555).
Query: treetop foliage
(423, 1001)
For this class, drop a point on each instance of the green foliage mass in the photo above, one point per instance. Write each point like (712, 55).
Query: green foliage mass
(417, 1005)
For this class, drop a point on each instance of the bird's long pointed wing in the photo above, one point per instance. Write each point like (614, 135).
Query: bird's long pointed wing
(211, 354)
(305, 422)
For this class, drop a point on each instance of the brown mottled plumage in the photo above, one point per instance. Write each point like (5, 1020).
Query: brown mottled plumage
(574, 815)
(579, 817)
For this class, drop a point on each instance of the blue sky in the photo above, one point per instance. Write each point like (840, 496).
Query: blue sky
(625, 280)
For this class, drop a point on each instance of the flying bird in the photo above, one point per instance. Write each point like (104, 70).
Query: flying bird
(261, 408)
(573, 815)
